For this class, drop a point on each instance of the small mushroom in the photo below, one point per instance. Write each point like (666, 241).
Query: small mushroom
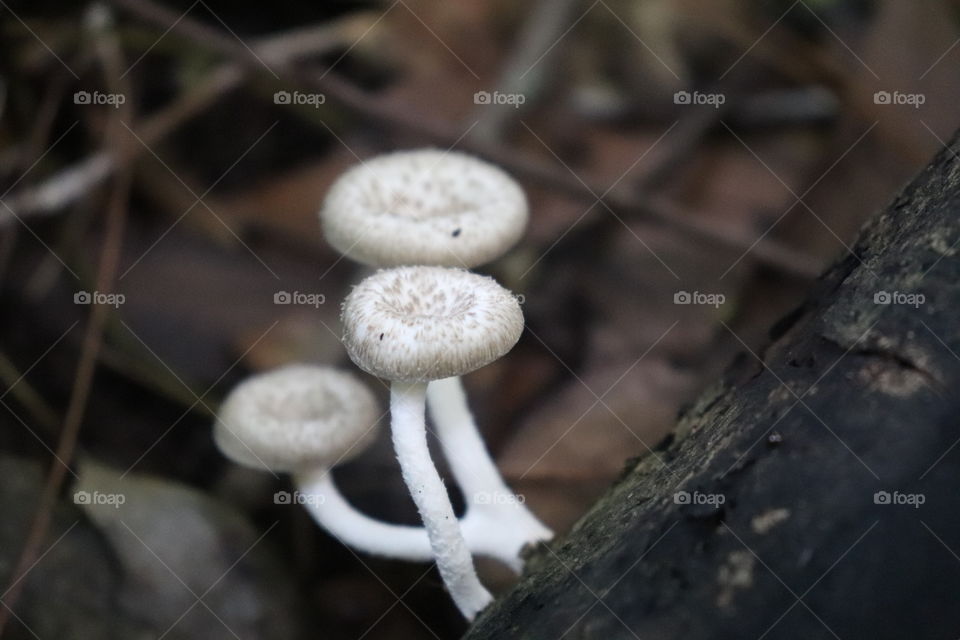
(427, 207)
(437, 323)
(305, 420)
(450, 209)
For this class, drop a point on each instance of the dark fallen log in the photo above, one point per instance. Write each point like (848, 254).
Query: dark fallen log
(814, 492)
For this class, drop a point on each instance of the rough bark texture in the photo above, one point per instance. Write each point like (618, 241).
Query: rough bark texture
(851, 398)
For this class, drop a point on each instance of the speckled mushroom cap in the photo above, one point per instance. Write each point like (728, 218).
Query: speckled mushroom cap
(415, 324)
(296, 417)
(425, 206)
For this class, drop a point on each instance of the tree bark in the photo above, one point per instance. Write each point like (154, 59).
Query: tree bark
(813, 492)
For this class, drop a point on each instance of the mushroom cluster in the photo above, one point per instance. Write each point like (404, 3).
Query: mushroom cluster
(423, 218)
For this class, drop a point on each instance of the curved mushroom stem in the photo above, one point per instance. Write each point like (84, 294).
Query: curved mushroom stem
(328, 507)
(481, 483)
(407, 414)
(351, 527)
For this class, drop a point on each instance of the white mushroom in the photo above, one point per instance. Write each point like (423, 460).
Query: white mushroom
(305, 420)
(427, 207)
(411, 325)
(451, 209)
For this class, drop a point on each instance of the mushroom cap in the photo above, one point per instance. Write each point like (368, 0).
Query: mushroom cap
(416, 324)
(424, 207)
(295, 418)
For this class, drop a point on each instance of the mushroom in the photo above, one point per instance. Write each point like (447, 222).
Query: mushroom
(305, 420)
(441, 208)
(427, 207)
(412, 325)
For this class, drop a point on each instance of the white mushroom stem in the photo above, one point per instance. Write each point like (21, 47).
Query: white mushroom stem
(351, 527)
(487, 496)
(408, 426)
(336, 515)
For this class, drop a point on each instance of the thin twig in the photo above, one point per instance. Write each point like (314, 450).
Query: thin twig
(36, 142)
(92, 340)
(73, 183)
(76, 181)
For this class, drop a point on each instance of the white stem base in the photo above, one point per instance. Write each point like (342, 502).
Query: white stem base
(494, 513)
(323, 501)
(408, 427)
